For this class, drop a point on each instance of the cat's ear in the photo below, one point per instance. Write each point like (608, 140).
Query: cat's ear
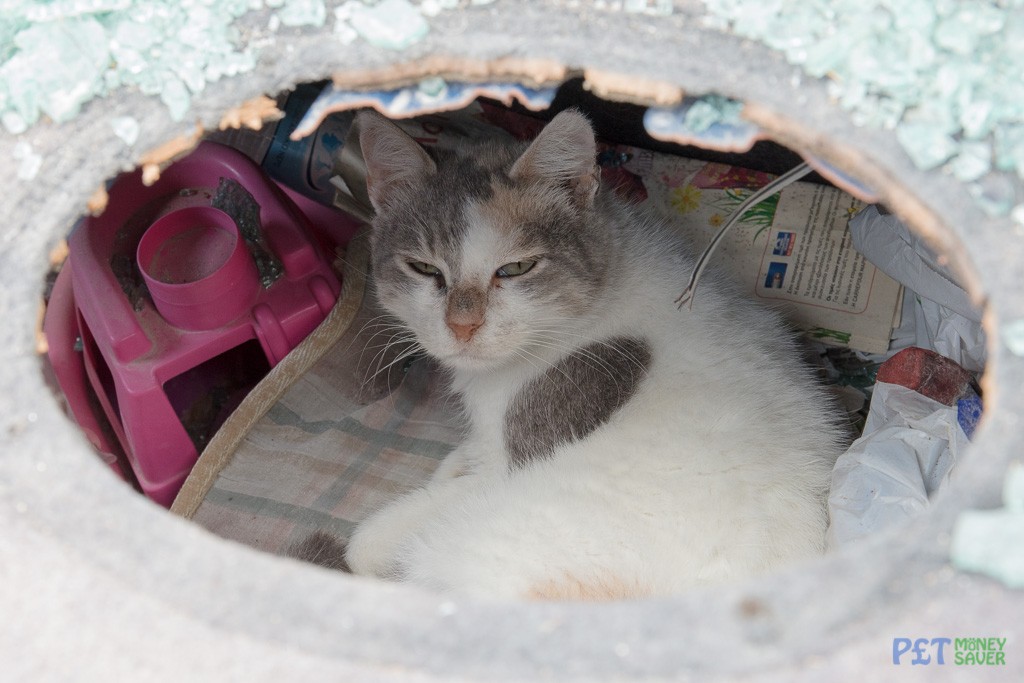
(564, 153)
(393, 159)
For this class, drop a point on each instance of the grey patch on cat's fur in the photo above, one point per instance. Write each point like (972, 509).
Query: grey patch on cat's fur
(574, 397)
(323, 549)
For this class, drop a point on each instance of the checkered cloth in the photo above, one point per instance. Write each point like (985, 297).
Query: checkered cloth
(316, 461)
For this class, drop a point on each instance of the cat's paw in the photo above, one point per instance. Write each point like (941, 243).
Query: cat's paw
(369, 554)
(376, 545)
(380, 543)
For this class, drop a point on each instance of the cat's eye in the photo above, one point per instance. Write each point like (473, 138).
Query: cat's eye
(515, 268)
(425, 268)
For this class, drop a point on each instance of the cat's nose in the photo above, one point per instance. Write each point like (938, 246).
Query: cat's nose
(464, 332)
(466, 309)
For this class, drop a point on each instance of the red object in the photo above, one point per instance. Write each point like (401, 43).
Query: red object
(927, 373)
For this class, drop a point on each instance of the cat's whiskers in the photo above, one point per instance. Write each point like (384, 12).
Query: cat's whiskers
(384, 325)
(398, 359)
(551, 338)
(587, 340)
(588, 357)
(381, 354)
(344, 265)
(583, 353)
(590, 340)
(554, 366)
(381, 325)
(522, 355)
(453, 405)
(389, 333)
(358, 336)
(392, 336)
(414, 349)
(383, 320)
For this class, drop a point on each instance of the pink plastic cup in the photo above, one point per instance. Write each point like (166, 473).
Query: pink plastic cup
(197, 267)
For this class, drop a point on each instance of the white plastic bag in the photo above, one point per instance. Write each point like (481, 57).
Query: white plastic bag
(908, 450)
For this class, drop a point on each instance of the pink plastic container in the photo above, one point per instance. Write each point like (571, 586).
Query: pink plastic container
(175, 320)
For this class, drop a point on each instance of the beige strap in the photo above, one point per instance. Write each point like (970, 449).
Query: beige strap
(218, 453)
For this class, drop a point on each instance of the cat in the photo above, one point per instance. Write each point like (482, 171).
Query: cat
(616, 447)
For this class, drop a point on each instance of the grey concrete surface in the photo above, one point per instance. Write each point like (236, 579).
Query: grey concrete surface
(98, 584)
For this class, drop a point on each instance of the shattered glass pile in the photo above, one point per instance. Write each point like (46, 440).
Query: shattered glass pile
(945, 74)
(57, 55)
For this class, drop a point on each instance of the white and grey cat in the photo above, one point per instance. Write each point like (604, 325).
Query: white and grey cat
(616, 447)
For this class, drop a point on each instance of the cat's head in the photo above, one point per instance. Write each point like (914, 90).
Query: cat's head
(487, 252)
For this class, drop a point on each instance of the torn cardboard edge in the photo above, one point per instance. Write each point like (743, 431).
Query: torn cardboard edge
(535, 73)
(160, 157)
(252, 113)
(631, 88)
(97, 202)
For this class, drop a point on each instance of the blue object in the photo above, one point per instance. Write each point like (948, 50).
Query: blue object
(968, 414)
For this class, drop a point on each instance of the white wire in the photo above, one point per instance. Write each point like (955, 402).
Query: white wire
(756, 198)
